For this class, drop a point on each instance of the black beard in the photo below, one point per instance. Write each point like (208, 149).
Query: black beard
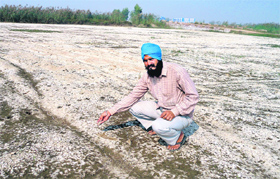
(157, 71)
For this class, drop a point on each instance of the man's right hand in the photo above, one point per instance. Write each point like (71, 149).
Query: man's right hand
(104, 117)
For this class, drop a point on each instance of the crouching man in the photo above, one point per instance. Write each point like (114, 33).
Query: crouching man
(175, 95)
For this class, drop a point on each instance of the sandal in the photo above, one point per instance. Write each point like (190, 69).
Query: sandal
(152, 132)
(180, 143)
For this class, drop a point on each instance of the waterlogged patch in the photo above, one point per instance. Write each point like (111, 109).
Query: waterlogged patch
(29, 78)
(35, 30)
(1, 74)
(34, 147)
(179, 167)
(103, 135)
(5, 110)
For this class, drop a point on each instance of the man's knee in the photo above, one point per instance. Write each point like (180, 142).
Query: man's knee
(135, 109)
(142, 107)
(159, 127)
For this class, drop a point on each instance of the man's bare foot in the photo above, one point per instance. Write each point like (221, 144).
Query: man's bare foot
(181, 140)
(152, 132)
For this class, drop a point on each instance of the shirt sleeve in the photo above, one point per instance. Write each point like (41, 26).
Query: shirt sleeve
(127, 102)
(190, 96)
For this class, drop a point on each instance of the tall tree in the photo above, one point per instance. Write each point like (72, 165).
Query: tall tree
(137, 9)
(125, 13)
(136, 15)
(116, 16)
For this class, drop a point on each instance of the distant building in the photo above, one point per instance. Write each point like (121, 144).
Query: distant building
(185, 20)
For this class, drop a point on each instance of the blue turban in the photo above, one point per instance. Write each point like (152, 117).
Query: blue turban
(153, 50)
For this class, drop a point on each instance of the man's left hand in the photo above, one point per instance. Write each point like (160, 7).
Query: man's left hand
(168, 115)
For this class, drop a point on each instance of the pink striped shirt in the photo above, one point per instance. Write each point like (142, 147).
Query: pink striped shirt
(173, 90)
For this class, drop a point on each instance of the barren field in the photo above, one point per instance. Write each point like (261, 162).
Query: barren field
(57, 80)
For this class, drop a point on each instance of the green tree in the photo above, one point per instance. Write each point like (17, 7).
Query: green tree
(225, 23)
(125, 13)
(116, 16)
(148, 19)
(51, 15)
(137, 9)
(136, 15)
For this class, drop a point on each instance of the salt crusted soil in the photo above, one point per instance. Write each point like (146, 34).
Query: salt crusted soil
(55, 84)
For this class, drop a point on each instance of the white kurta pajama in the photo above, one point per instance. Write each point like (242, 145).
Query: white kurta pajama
(173, 90)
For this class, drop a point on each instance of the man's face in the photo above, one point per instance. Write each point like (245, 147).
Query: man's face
(150, 63)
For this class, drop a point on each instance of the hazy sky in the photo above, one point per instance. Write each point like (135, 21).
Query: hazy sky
(238, 11)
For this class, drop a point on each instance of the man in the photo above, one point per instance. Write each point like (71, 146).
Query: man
(175, 95)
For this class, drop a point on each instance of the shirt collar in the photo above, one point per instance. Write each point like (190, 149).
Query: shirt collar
(164, 69)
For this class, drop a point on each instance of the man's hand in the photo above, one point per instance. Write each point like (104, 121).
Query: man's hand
(104, 117)
(168, 115)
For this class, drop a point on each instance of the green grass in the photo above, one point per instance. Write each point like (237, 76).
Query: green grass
(215, 31)
(35, 30)
(257, 34)
(274, 45)
(264, 35)
(251, 34)
(176, 52)
(272, 28)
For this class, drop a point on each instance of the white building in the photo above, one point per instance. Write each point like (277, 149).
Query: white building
(185, 20)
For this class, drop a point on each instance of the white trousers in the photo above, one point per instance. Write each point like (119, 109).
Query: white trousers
(148, 113)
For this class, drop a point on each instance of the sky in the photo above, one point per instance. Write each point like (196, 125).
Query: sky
(232, 11)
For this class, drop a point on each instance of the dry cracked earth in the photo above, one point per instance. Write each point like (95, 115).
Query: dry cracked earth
(55, 81)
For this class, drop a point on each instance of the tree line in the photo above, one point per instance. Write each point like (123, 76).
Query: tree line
(51, 15)
(273, 28)
(269, 27)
